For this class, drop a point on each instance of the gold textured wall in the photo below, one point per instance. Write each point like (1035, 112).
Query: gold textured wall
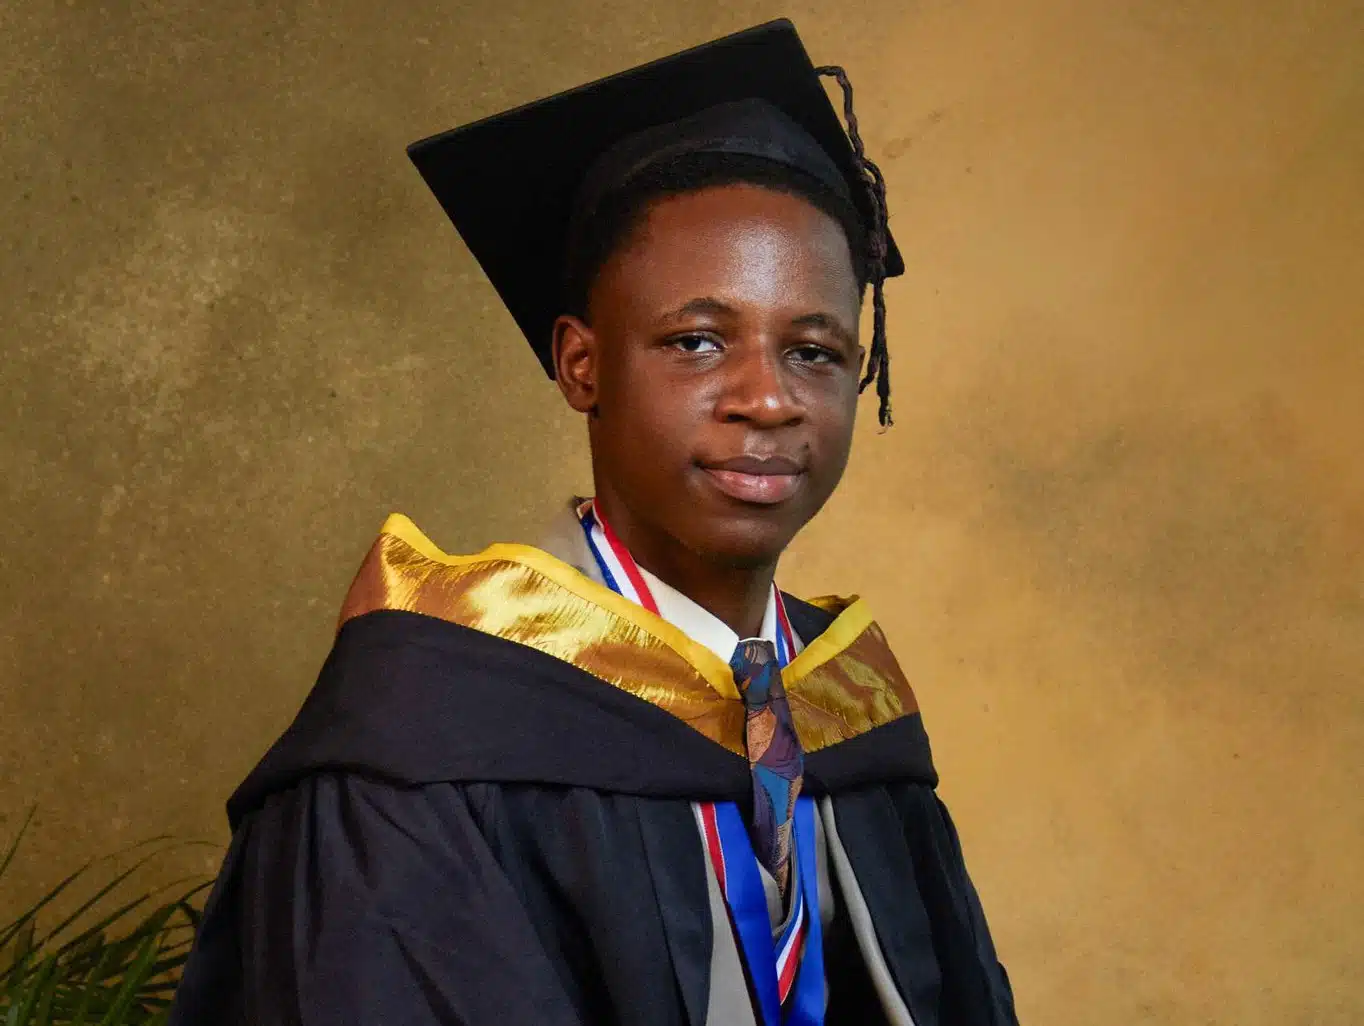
(1115, 533)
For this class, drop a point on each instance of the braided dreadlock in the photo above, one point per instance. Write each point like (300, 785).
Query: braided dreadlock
(878, 360)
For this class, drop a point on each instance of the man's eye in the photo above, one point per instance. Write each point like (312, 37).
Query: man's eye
(814, 354)
(696, 344)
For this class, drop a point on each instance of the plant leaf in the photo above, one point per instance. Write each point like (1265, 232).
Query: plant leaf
(136, 974)
(14, 845)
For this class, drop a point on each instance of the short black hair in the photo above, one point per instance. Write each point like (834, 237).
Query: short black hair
(593, 239)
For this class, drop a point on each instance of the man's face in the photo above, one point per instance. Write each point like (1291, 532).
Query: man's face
(720, 361)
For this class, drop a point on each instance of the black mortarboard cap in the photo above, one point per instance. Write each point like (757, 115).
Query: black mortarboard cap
(514, 183)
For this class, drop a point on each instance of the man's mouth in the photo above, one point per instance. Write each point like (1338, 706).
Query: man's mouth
(764, 480)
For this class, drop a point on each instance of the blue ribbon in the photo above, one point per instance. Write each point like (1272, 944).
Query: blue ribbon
(807, 997)
(748, 908)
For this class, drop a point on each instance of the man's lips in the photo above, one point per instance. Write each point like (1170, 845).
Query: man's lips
(765, 480)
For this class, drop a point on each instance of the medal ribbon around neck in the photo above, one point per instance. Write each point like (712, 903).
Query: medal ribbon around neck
(788, 972)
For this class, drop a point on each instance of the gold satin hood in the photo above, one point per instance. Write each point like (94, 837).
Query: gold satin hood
(844, 683)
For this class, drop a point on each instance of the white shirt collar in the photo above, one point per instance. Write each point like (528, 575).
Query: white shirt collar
(700, 624)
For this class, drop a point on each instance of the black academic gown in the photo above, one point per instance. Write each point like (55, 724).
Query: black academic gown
(460, 828)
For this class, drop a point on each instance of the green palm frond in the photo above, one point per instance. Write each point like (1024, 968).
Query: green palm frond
(120, 969)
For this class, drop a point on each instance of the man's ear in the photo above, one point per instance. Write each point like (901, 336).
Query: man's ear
(576, 358)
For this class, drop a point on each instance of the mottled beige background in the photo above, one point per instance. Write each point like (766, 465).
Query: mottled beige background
(1115, 535)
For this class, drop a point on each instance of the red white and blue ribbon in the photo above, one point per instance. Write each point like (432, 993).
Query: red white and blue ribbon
(618, 567)
(788, 972)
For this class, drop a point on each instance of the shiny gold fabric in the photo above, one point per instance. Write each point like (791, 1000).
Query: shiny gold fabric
(844, 683)
(860, 687)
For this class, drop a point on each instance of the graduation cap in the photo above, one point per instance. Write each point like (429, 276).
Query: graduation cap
(515, 184)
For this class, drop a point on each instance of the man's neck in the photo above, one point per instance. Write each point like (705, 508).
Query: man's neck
(737, 596)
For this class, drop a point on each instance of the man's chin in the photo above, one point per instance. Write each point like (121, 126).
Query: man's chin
(744, 544)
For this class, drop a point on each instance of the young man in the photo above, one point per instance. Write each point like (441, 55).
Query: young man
(620, 777)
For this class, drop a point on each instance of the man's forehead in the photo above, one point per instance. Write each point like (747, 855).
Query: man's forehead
(696, 257)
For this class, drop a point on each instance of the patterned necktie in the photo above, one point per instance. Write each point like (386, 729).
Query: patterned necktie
(773, 753)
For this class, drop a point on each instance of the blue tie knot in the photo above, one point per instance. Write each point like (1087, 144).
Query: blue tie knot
(754, 663)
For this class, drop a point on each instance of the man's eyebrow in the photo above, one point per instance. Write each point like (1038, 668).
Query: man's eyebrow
(703, 305)
(829, 323)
